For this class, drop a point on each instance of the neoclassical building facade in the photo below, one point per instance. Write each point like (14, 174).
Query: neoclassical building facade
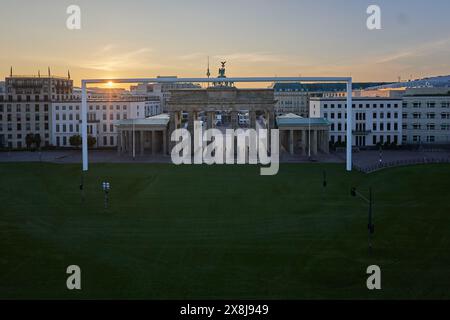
(229, 104)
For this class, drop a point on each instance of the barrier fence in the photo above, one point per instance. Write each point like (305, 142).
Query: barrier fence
(399, 163)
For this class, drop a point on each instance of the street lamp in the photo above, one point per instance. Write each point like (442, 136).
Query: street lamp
(106, 187)
(134, 145)
(370, 225)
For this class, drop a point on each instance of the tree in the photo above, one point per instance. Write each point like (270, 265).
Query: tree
(75, 140)
(37, 140)
(29, 140)
(91, 141)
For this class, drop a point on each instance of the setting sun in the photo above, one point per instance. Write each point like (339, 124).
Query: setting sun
(109, 84)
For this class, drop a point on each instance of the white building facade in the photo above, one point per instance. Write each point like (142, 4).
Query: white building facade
(291, 98)
(25, 108)
(426, 116)
(375, 120)
(103, 113)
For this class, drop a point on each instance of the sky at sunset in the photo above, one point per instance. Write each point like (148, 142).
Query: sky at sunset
(138, 38)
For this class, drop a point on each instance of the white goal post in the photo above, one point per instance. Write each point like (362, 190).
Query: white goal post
(84, 83)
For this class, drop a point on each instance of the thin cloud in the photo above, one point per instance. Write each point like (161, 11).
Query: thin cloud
(192, 56)
(253, 57)
(108, 59)
(418, 51)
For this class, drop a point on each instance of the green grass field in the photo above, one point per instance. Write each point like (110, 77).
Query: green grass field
(222, 232)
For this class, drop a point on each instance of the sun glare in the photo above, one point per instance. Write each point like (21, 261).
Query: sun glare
(109, 84)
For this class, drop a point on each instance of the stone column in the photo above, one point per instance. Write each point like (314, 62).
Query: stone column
(270, 119)
(304, 142)
(172, 121)
(211, 117)
(324, 141)
(321, 140)
(172, 125)
(130, 142)
(314, 142)
(291, 142)
(164, 133)
(153, 142)
(234, 120)
(252, 115)
(193, 116)
(118, 142)
(142, 142)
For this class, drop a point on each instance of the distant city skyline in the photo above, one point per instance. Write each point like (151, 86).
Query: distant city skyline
(257, 37)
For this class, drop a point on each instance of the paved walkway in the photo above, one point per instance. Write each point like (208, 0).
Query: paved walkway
(363, 159)
(74, 156)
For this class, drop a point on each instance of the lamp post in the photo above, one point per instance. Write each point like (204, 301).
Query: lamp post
(106, 187)
(370, 225)
(324, 184)
(82, 186)
(134, 145)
